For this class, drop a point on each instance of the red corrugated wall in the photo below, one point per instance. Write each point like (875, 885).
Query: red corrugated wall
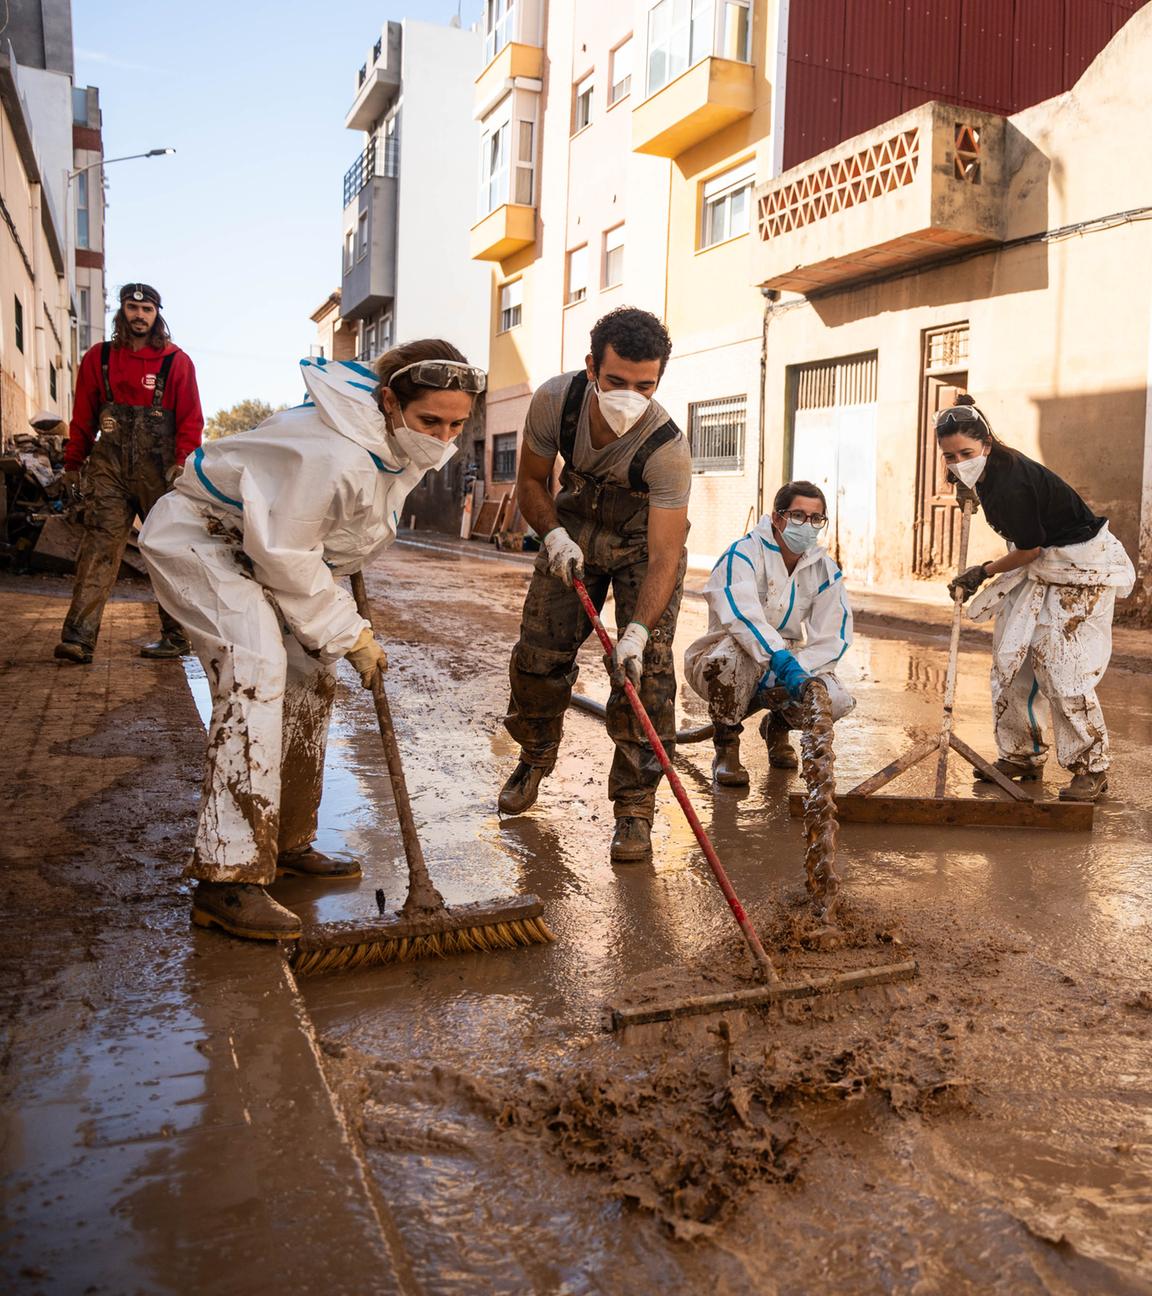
(853, 64)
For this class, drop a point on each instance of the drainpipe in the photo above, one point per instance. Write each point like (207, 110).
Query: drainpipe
(771, 297)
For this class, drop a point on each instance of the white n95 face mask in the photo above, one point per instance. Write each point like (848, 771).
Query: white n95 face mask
(969, 471)
(420, 449)
(622, 410)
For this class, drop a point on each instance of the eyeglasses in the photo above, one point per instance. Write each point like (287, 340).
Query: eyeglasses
(445, 375)
(817, 520)
(959, 418)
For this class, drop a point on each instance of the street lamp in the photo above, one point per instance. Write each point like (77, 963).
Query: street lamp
(103, 162)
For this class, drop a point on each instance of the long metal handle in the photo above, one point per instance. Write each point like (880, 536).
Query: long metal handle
(422, 895)
(953, 655)
(750, 936)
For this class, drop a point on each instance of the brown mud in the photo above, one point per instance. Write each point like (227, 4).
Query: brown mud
(984, 1128)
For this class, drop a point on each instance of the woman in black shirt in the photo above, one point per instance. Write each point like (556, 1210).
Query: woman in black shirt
(1053, 603)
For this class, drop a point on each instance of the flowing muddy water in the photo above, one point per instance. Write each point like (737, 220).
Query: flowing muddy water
(986, 1128)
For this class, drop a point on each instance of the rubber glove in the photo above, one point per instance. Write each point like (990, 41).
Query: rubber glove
(70, 483)
(565, 558)
(172, 474)
(789, 673)
(627, 662)
(368, 657)
(968, 582)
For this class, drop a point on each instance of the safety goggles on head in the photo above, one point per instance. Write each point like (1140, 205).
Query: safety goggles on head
(959, 418)
(815, 520)
(446, 375)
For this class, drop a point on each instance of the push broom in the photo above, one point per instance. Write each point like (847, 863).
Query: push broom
(774, 989)
(424, 927)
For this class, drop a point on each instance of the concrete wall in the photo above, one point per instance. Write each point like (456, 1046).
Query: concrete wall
(440, 290)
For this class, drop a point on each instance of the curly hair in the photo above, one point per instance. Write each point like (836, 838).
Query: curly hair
(788, 492)
(158, 337)
(633, 334)
(404, 389)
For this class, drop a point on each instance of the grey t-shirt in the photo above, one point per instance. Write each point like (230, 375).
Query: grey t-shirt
(667, 474)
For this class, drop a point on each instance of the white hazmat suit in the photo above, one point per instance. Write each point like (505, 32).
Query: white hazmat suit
(245, 552)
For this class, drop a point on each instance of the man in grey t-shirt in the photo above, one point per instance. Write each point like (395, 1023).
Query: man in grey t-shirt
(618, 523)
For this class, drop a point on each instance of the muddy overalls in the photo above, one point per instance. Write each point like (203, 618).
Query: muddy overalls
(126, 474)
(610, 524)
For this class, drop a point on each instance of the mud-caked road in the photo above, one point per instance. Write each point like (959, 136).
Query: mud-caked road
(984, 1128)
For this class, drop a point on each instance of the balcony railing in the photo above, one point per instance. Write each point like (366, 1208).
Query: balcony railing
(373, 163)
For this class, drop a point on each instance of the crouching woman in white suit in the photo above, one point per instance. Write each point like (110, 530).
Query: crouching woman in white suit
(246, 552)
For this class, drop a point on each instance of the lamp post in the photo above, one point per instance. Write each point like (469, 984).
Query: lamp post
(103, 162)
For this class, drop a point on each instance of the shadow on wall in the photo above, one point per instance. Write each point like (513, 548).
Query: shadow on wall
(983, 272)
(1095, 441)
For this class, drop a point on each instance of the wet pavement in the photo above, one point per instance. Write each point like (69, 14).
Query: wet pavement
(987, 1128)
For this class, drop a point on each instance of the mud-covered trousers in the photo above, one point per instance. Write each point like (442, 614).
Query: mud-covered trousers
(271, 700)
(543, 671)
(123, 478)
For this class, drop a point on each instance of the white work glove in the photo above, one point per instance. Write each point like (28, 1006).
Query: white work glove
(565, 558)
(368, 657)
(627, 662)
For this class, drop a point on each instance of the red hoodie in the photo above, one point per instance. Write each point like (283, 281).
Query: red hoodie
(132, 375)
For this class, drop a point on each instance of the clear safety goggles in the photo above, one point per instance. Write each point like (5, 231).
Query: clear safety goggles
(959, 418)
(446, 375)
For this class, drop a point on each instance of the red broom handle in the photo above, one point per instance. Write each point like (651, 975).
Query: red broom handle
(710, 855)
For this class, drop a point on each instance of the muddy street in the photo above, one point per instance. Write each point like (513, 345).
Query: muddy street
(986, 1128)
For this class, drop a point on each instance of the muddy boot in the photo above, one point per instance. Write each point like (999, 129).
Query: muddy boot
(242, 909)
(166, 648)
(632, 840)
(1014, 770)
(521, 789)
(726, 767)
(1086, 786)
(73, 652)
(307, 862)
(781, 754)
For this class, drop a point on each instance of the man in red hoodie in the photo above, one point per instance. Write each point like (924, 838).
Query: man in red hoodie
(139, 393)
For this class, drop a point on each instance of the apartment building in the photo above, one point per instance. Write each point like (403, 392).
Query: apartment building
(627, 154)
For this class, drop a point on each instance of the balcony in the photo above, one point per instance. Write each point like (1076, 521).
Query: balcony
(514, 63)
(509, 228)
(712, 94)
(923, 185)
(375, 161)
(368, 281)
(377, 82)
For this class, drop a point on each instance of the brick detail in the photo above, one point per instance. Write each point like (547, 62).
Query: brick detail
(88, 138)
(86, 259)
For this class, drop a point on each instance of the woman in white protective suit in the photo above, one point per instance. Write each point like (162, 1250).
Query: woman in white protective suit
(1053, 600)
(247, 552)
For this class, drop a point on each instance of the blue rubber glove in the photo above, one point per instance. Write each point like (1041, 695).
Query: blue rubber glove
(789, 673)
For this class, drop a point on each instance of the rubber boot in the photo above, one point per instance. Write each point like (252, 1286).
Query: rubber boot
(521, 789)
(632, 840)
(73, 652)
(166, 648)
(242, 909)
(781, 754)
(1086, 786)
(726, 767)
(1014, 770)
(308, 862)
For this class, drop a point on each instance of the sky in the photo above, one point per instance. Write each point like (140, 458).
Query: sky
(240, 229)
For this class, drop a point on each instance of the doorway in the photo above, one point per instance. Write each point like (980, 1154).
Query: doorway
(936, 529)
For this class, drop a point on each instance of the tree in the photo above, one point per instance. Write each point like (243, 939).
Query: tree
(242, 416)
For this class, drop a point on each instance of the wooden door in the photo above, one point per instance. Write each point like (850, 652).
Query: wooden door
(936, 529)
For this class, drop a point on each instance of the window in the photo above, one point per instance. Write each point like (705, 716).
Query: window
(577, 275)
(19, 324)
(511, 301)
(525, 135)
(504, 457)
(494, 166)
(349, 250)
(52, 381)
(620, 75)
(716, 434)
(370, 342)
(681, 32)
(498, 18)
(362, 237)
(82, 210)
(385, 333)
(727, 205)
(80, 105)
(389, 156)
(582, 113)
(85, 321)
(614, 257)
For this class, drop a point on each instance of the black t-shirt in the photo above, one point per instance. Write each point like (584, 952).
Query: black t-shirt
(1029, 505)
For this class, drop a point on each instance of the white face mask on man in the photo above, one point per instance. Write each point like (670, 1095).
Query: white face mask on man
(621, 410)
(419, 448)
(969, 471)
